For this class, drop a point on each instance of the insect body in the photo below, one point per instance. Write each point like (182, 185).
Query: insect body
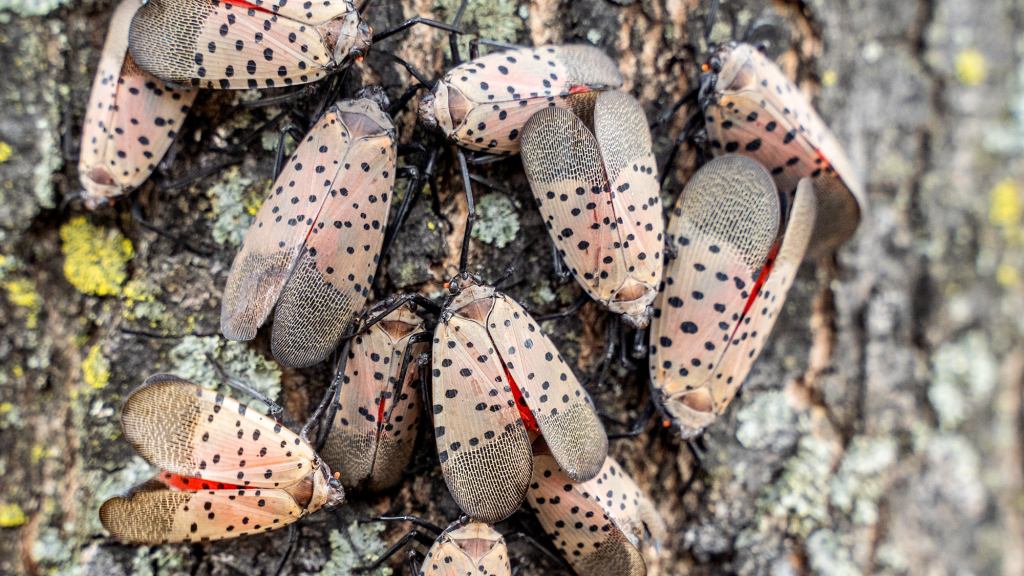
(756, 111)
(228, 470)
(472, 549)
(597, 189)
(723, 290)
(483, 104)
(313, 249)
(247, 43)
(597, 525)
(373, 432)
(130, 121)
(498, 382)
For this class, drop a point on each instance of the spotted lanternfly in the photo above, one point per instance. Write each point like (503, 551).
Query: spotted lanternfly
(754, 110)
(725, 286)
(498, 382)
(247, 43)
(473, 549)
(597, 190)
(597, 525)
(313, 249)
(373, 433)
(483, 104)
(228, 470)
(131, 120)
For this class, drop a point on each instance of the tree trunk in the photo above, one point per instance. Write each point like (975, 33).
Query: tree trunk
(880, 432)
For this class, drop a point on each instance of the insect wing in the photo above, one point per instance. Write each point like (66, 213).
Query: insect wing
(484, 103)
(482, 441)
(182, 428)
(373, 433)
(562, 408)
(625, 143)
(722, 228)
(314, 246)
(153, 514)
(563, 164)
(475, 549)
(131, 119)
(748, 340)
(579, 524)
(761, 113)
(219, 44)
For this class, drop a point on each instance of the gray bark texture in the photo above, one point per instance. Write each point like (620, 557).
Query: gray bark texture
(880, 432)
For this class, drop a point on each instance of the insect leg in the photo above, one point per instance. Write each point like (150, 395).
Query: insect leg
(394, 549)
(415, 559)
(412, 22)
(332, 392)
(571, 310)
(540, 547)
(138, 217)
(186, 181)
(275, 409)
(329, 396)
(453, 42)
(470, 212)
(694, 124)
(638, 425)
(293, 538)
(404, 370)
(709, 21)
(412, 190)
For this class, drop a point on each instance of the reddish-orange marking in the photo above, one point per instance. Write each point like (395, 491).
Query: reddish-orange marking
(380, 415)
(761, 279)
(579, 89)
(179, 482)
(247, 5)
(524, 410)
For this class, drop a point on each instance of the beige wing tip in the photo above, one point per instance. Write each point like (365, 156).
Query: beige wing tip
(691, 412)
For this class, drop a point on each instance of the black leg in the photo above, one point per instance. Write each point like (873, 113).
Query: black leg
(394, 549)
(275, 409)
(638, 425)
(453, 39)
(597, 378)
(562, 271)
(452, 28)
(412, 190)
(179, 242)
(293, 538)
(399, 382)
(639, 349)
(709, 21)
(571, 310)
(196, 176)
(332, 391)
(693, 124)
(470, 212)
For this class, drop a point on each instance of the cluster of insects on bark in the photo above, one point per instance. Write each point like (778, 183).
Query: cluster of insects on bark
(513, 426)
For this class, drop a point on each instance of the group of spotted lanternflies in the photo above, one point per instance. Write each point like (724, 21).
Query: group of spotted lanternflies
(512, 422)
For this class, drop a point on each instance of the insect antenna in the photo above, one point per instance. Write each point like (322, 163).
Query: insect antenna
(573, 308)
(453, 29)
(402, 542)
(453, 42)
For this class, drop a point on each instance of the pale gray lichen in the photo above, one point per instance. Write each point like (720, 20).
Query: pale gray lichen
(497, 20)
(858, 483)
(359, 545)
(964, 378)
(828, 555)
(766, 422)
(192, 361)
(30, 7)
(497, 221)
(800, 496)
(235, 199)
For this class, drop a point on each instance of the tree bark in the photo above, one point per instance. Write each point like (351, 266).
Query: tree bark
(880, 432)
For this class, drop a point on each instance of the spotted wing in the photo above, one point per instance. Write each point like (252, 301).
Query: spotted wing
(629, 506)
(220, 44)
(563, 163)
(182, 428)
(482, 442)
(762, 114)
(562, 408)
(507, 88)
(307, 11)
(373, 433)
(579, 525)
(722, 229)
(625, 143)
(131, 118)
(154, 514)
(749, 339)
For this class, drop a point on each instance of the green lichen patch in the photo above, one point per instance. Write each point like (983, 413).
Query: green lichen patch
(11, 515)
(31, 7)
(21, 292)
(140, 304)
(497, 222)
(235, 199)
(360, 545)
(766, 422)
(192, 361)
(799, 499)
(95, 258)
(829, 555)
(498, 20)
(96, 368)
